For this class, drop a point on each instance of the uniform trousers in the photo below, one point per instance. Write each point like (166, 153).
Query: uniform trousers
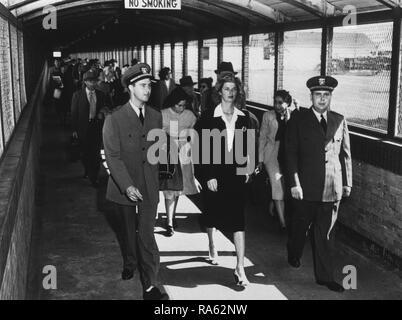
(318, 218)
(90, 149)
(134, 228)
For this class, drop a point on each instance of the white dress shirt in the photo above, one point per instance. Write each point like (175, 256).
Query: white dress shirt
(230, 125)
(137, 110)
(92, 109)
(318, 115)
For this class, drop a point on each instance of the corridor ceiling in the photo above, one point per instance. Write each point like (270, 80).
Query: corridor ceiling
(106, 21)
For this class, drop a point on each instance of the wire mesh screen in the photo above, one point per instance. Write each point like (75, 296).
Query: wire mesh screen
(16, 72)
(361, 62)
(178, 61)
(210, 58)
(261, 65)
(192, 59)
(232, 52)
(157, 57)
(301, 61)
(6, 82)
(399, 102)
(167, 55)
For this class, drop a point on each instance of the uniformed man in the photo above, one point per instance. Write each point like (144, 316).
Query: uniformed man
(320, 173)
(134, 181)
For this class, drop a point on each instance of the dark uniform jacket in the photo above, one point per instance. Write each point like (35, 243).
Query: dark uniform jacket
(322, 163)
(126, 147)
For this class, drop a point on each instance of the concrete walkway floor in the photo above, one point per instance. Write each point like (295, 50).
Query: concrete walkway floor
(72, 234)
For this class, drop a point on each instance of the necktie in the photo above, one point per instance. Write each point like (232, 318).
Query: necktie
(92, 105)
(141, 116)
(323, 124)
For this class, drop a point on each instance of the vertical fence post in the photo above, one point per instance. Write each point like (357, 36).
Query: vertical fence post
(395, 73)
(326, 49)
(162, 55)
(278, 77)
(172, 58)
(153, 58)
(185, 58)
(220, 49)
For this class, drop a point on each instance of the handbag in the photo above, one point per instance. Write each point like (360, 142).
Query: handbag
(170, 175)
(74, 149)
(57, 93)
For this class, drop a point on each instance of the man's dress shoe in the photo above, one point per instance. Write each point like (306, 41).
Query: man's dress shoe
(127, 274)
(295, 263)
(155, 294)
(332, 285)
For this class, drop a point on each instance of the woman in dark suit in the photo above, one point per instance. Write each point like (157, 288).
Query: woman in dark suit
(224, 181)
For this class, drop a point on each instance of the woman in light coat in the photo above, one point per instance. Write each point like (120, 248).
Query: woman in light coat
(271, 138)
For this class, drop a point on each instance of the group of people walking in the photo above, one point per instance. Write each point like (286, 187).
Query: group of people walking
(305, 152)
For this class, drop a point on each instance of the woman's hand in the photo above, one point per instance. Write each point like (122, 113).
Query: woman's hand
(213, 185)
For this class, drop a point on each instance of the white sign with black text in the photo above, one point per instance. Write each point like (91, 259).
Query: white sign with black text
(153, 4)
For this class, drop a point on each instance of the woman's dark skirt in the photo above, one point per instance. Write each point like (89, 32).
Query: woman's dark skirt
(224, 209)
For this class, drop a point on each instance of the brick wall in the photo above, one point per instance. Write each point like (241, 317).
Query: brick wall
(18, 172)
(375, 207)
(14, 281)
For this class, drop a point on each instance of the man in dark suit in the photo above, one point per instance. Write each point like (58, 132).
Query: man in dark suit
(319, 166)
(162, 88)
(87, 119)
(134, 180)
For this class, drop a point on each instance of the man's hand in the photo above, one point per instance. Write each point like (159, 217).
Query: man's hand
(198, 185)
(346, 192)
(213, 185)
(297, 193)
(134, 194)
(75, 135)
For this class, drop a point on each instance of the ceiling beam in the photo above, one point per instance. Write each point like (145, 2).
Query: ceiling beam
(78, 12)
(389, 3)
(254, 8)
(324, 9)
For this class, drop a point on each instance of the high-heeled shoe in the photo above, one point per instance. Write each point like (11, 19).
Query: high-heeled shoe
(213, 257)
(240, 281)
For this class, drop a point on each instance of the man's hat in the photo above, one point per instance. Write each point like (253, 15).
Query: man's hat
(135, 73)
(225, 67)
(322, 83)
(91, 74)
(187, 81)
